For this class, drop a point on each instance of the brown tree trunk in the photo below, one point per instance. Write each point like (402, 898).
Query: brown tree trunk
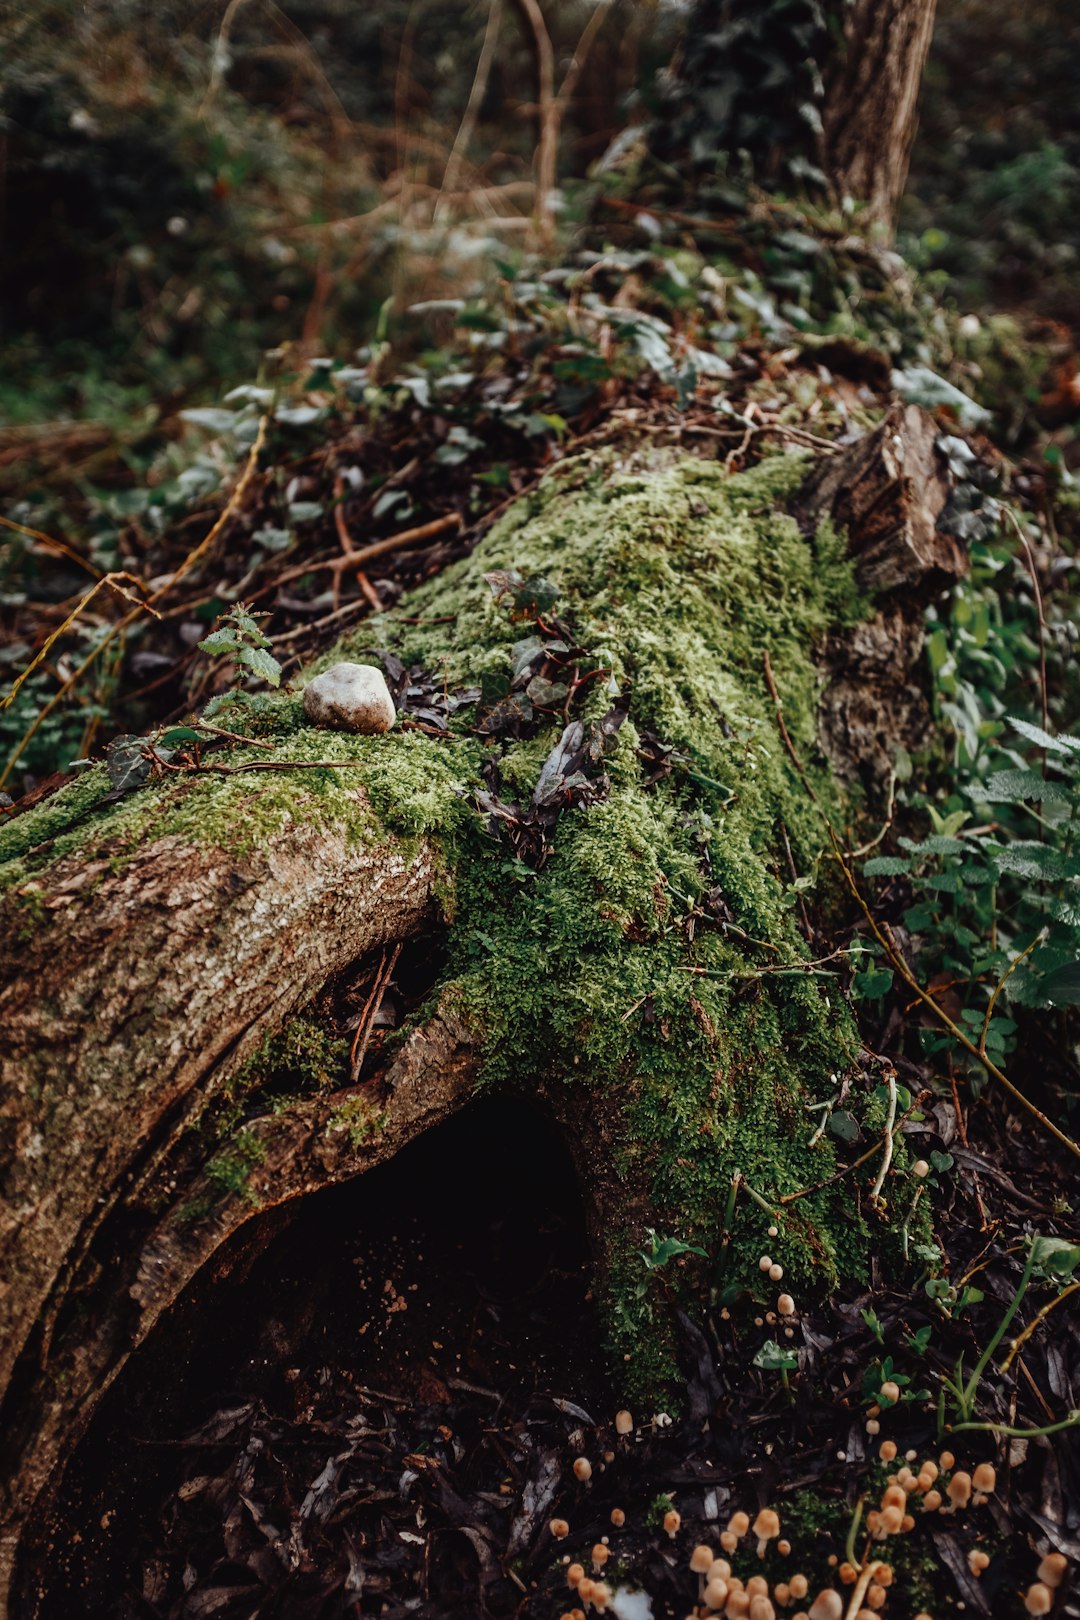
(871, 96)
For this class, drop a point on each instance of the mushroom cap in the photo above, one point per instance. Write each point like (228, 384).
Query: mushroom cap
(785, 1305)
(575, 1575)
(757, 1586)
(559, 1529)
(959, 1487)
(765, 1263)
(701, 1559)
(624, 1422)
(739, 1523)
(618, 1518)
(767, 1524)
(716, 1594)
(1039, 1599)
(719, 1570)
(672, 1520)
(798, 1586)
(889, 1391)
(985, 1477)
(1052, 1569)
(828, 1605)
(776, 1272)
(761, 1608)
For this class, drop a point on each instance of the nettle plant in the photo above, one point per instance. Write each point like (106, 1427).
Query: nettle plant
(237, 636)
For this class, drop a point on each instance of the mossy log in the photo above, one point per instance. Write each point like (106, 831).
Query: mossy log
(610, 845)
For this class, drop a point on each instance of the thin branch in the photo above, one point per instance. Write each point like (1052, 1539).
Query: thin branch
(472, 110)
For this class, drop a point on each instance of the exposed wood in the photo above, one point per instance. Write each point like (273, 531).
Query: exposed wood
(888, 492)
(313, 1145)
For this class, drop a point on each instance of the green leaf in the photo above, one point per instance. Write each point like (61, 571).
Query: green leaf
(260, 662)
(220, 641)
(662, 1250)
(1061, 988)
(179, 734)
(886, 866)
(844, 1125)
(872, 984)
(1014, 787)
(217, 421)
(1043, 739)
(1057, 1256)
(770, 1358)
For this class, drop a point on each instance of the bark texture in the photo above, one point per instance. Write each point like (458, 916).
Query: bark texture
(872, 91)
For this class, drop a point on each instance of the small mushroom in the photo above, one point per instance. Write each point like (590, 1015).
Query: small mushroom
(761, 1608)
(715, 1594)
(890, 1392)
(600, 1556)
(828, 1605)
(958, 1489)
(785, 1305)
(618, 1518)
(672, 1521)
(920, 1168)
(765, 1263)
(1052, 1569)
(701, 1561)
(624, 1423)
(776, 1272)
(947, 1461)
(887, 1450)
(559, 1529)
(766, 1529)
(978, 1560)
(798, 1586)
(582, 1469)
(575, 1575)
(984, 1479)
(1039, 1599)
(739, 1523)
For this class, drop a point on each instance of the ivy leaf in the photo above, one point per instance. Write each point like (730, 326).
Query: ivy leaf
(127, 763)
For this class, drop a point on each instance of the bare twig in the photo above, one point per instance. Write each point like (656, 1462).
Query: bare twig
(472, 109)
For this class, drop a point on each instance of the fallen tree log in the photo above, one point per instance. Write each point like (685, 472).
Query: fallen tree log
(593, 870)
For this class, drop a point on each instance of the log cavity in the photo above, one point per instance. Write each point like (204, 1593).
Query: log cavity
(412, 1308)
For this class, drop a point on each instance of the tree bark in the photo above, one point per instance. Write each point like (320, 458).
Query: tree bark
(872, 92)
(814, 95)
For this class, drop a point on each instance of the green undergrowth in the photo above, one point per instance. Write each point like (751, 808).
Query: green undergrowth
(651, 959)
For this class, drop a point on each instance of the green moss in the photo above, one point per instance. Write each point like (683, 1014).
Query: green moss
(653, 961)
(361, 1117)
(232, 1164)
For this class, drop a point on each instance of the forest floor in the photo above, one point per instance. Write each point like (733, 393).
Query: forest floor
(379, 1412)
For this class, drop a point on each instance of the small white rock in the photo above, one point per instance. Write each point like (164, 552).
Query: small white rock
(350, 697)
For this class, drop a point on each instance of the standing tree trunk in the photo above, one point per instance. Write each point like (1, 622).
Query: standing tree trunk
(813, 94)
(870, 102)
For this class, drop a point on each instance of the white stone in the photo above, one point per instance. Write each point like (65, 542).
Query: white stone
(350, 697)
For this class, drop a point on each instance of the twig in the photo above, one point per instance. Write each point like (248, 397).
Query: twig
(59, 546)
(121, 625)
(362, 1038)
(1033, 571)
(875, 1191)
(472, 108)
(1040, 1316)
(548, 113)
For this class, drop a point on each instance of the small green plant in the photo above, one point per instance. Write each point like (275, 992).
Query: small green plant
(237, 636)
(958, 1400)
